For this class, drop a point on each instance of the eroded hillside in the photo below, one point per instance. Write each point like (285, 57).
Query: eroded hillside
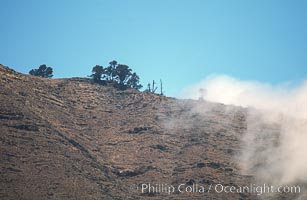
(70, 139)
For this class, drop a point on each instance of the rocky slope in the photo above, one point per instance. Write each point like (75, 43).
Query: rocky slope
(70, 139)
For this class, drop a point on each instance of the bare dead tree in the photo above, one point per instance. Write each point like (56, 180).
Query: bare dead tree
(153, 86)
(161, 87)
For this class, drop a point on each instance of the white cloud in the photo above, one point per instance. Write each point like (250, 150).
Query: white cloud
(277, 154)
(224, 89)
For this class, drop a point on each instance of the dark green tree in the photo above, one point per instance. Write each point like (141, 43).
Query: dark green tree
(42, 71)
(97, 73)
(133, 82)
(122, 74)
(110, 71)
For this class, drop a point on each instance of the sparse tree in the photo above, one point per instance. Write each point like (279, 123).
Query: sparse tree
(42, 71)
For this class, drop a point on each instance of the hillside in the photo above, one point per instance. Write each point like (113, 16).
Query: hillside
(70, 139)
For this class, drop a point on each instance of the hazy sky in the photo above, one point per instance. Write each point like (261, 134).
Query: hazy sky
(181, 42)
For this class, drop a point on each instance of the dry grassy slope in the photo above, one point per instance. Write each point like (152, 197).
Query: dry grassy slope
(70, 139)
